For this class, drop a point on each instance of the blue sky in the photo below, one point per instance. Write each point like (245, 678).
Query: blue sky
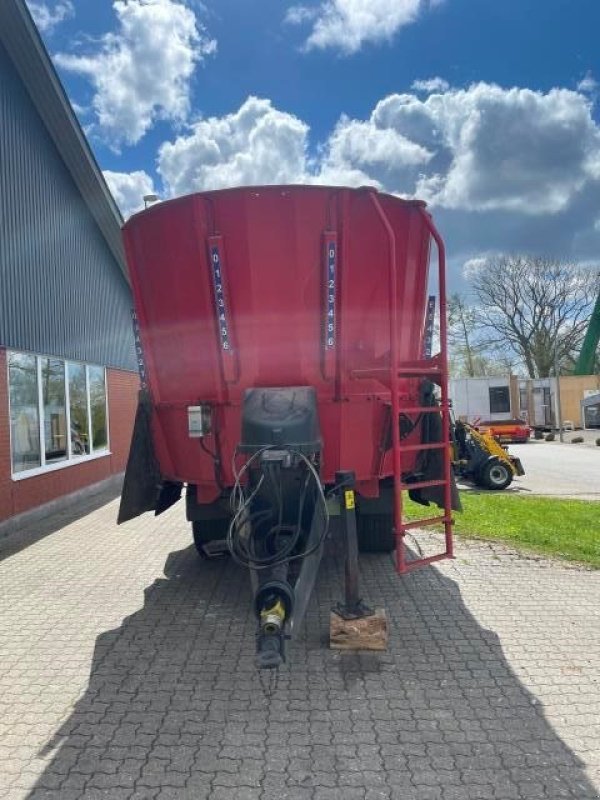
(486, 109)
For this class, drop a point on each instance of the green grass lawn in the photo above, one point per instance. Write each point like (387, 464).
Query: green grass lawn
(567, 529)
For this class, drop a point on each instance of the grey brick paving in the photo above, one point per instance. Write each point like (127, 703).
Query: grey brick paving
(126, 672)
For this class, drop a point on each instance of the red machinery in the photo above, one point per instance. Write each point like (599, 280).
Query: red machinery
(283, 336)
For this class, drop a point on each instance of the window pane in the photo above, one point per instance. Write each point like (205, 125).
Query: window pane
(24, 416)
(55, 413)
(98, 405)
(499, 399)
(80, 444)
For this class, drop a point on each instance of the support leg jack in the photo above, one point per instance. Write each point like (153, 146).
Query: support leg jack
(352, 624)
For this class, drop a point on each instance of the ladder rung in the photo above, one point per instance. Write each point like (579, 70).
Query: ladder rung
(423, 562)
(417, 371)
(429, 446)
(425, 521)
(420, 410)
(406, 371)
(421, 484)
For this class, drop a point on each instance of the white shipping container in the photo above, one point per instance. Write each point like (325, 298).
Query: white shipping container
(474, 398)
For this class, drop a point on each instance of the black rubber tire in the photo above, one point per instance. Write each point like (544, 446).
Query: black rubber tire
(205, 531)
(375, 533)
(495, 475)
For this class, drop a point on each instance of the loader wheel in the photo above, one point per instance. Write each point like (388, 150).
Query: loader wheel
(375, 533)
(495, 475)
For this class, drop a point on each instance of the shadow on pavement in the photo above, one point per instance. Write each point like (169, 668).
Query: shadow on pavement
(32, 532)
(174, 707)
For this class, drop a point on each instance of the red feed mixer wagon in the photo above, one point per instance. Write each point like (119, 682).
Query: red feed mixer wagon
(284, 339)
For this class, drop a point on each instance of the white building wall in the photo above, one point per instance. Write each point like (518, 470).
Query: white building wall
(471, 397)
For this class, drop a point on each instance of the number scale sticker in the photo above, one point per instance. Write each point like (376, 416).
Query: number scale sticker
(139, 354)
(331, 292)
(429, 323)
(220, 302)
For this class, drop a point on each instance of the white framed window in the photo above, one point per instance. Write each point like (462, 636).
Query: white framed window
(58, 413)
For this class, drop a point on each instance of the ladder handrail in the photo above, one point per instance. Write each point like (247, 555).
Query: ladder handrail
(399, 525)
(445, 400)
(394, 379)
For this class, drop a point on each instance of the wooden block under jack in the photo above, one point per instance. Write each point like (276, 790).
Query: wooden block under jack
(364, 633)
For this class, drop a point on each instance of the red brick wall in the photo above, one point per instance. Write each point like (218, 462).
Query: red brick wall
(6, 505)
(27, 493)
(123, 390)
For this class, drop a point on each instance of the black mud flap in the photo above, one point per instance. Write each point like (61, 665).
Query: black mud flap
(431, 462)
(144, 488)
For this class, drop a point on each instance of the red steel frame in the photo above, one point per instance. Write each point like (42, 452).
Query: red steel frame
(436, 369)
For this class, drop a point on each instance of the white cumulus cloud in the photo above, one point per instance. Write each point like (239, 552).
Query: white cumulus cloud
(504, 170)
(512, 149)
(141, 72)
(480, 149)
(483, 148)
(128, 189)
(47, 16)
(431, 85)
(474, 267)
(361, 152)
(588, 83)
(258, 144)
(348, 24)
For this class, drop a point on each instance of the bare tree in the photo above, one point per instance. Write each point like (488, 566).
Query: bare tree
(460, 327)
(535, 308)
(470, 353)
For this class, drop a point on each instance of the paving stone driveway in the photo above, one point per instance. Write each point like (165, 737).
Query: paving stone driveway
(126, 672)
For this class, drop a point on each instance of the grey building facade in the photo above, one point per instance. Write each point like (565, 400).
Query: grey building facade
(68, 376)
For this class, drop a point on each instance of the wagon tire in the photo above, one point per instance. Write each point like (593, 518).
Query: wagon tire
(375, 533)
(206, 531)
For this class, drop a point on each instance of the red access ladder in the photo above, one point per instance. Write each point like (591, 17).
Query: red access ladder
(436, 369)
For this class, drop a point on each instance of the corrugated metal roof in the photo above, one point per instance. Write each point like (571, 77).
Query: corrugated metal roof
(62, 291)
(27, 52)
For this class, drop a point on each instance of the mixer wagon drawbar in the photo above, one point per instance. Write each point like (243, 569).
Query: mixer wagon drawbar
(284, 338)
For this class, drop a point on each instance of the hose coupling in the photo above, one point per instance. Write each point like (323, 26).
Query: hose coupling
(272, 619)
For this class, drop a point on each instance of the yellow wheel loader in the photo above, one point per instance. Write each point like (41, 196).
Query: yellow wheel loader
(481, 458)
